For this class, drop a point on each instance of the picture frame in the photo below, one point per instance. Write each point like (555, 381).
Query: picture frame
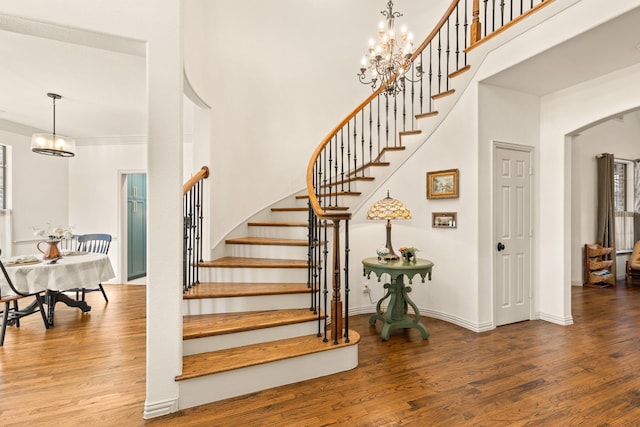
(443, 184)
(444, 219)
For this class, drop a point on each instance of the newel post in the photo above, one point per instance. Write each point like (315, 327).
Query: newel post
(476, 26)
(336, 303)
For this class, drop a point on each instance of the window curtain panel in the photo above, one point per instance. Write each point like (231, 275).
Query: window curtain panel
(606, 223)
(636, 200)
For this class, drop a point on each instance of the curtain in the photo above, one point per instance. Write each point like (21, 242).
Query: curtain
(636, 200)
(606, 225)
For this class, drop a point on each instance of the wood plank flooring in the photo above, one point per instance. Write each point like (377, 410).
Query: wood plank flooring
(90, 370)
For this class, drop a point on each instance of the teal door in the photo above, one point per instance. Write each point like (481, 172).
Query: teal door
(136, 226)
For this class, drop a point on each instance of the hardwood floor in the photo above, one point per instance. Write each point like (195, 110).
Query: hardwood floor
(89, 370)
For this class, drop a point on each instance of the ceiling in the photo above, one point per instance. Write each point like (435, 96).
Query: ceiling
(609, 47)
(101, 78)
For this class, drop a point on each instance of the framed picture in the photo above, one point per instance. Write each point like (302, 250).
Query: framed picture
(442, 184)
(444, 219)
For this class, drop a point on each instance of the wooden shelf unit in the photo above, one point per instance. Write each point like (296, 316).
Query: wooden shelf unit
(598, 263)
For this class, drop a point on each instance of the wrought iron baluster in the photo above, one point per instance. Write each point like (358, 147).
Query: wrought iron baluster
(395, 120)
(370, 133)
(466, 28)
(347, 289)
(447, 53)
(430, 77)
(439, 61)
(386, 126)
(342, 170)
(457, 25)
(485, 17)
(325, 280)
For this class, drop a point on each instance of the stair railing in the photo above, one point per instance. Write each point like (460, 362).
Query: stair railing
(193, 191)
(359, 141)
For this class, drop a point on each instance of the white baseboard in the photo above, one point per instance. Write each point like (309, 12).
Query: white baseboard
(158, 409)
(562, 321)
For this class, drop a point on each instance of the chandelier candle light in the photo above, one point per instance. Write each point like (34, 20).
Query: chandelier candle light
(50, 143)
(389, 57)
(388, 209)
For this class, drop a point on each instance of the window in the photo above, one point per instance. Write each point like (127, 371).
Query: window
(620, 186)
(3, 177)
(622, 179)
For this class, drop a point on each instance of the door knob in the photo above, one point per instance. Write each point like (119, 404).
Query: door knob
(500, 246)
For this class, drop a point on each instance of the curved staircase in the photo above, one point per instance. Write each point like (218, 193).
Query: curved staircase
(248, 325)
(252, 322)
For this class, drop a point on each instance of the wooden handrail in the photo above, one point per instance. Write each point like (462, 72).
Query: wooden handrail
(203, 173)
(313, 200)
(480, 39)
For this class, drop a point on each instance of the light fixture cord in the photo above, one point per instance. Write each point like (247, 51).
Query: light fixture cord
(54, 118)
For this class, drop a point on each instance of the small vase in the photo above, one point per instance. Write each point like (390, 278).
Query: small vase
(51, 251)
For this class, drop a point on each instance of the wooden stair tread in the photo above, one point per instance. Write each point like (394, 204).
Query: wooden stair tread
(279, 224)
(267, 241)
(460, 71)
(305, 209)
(425, 115)
(207, 325)
(410, 132)
(242, 262)
(347, 180)
(370, 164)
(338, 193)
(443, 94)
(214, 362)
(240, 289)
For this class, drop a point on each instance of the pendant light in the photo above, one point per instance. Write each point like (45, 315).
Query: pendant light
(50, 143)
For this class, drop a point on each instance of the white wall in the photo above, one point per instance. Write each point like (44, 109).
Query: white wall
(159, 25)
(511, 117)
(622, 138)
(277, 85)
(38, 192)
(565, 113)
(95, 192)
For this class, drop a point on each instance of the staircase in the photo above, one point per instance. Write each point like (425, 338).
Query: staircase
(253, 322)
(248, 325)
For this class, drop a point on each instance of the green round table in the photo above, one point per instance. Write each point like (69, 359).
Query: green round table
(396, 315)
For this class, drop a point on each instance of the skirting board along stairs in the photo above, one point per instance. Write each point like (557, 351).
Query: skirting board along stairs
(248, 326)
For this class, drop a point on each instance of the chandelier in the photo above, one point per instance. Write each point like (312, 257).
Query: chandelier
(52, 144)
(389, 56)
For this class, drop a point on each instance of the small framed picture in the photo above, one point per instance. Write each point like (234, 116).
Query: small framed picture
(443, 184)
(444, 219)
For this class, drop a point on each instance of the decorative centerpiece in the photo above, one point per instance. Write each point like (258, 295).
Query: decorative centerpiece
(53, 236)
(408, 255)
(382, 253)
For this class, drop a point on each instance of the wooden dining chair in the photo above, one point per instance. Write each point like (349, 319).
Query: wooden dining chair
(97, 243)
(11, 315)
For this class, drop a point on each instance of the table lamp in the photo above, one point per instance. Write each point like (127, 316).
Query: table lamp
(388, 209)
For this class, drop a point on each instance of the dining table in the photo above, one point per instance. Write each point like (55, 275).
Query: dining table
(74, 270)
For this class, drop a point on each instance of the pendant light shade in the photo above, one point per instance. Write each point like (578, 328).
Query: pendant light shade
(52, 144)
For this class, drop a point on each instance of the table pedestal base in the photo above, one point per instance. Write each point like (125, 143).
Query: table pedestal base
(50, 300)
(396, 315)
(53, 297)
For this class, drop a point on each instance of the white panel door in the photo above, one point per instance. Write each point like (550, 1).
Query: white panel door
(513, 233)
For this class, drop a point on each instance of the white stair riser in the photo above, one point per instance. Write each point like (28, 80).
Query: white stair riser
(268, 251)
(289, 216)
(268, 275)
(251, 303)
(220, 342)
(279, 232)
(212, 388)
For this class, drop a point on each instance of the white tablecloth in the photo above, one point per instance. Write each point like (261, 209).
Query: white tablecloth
(69, 272)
